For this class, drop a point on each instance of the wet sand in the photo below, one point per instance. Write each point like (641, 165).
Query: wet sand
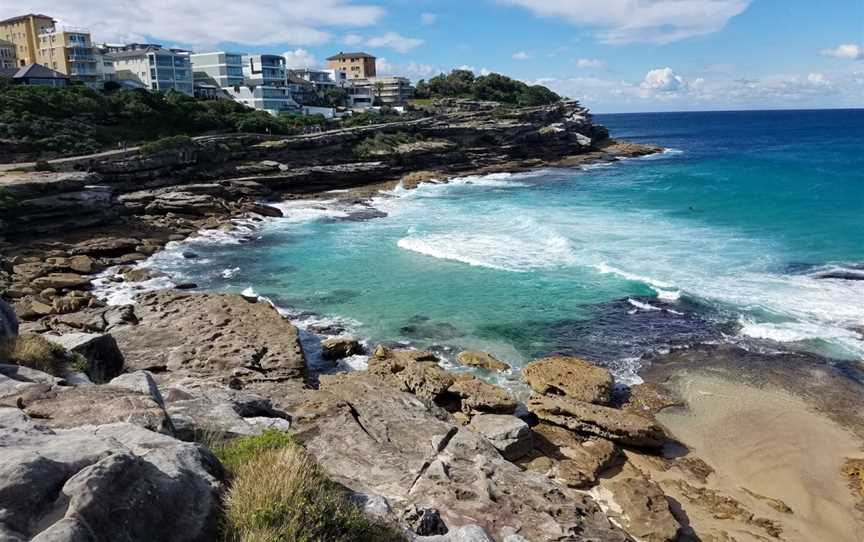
(777, 446)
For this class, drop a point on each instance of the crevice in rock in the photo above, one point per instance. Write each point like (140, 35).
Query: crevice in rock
(356, 416)
(442, 445)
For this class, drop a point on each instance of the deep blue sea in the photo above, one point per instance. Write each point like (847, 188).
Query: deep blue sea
(749, 229)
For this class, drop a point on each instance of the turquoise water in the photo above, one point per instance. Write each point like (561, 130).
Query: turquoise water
(733, 235)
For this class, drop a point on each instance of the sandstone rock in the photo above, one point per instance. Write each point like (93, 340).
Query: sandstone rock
(140, 274)
(60, 281)
(338, 348)
(375, 439)
(200, 408)
(575, 461)
(644, 508)
(211, 334)
(8, 322)
(510, 435)
(478, 396)
(64, 408)
(616, 425)
(140, 382)
(104, 359)
(105, 246)
(466, 533)
(111, 482)
(68, 304)
(571, 377)
(410, 370)
(481, 360)
(648, 399)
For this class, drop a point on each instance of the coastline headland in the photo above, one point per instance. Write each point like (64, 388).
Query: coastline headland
(136, 389)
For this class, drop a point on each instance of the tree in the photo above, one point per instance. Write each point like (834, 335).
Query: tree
(336, 97)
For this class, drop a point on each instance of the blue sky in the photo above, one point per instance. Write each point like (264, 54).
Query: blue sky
(615, 55)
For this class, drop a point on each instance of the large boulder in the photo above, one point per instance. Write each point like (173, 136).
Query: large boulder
(510, 435)
(58, 281)
(595, 420)
(478, 396)
(571, 377)
(639, 505)
(340, 347)
(108, 482)
(376, 439)
(8, 322)
(206, 334)
(572, 459)
(104, 359)
(65, 407)
(481, 360)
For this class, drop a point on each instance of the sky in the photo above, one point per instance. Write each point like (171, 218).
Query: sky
(613, 55)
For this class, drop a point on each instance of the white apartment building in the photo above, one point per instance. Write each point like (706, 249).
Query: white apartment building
(154, 67)
(387, 90)
(223, 69)
(324, 80)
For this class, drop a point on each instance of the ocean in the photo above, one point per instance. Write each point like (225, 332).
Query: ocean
(748, 229)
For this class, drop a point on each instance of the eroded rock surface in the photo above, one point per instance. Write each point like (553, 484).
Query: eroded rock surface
(571, 377)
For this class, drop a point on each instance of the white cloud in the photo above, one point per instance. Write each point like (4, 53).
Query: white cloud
(391, 40)
(263, 22)
(411, 70)
(663, 80)
(428, 18)
(590, 63)
(850, 51)
(300, 58)
(394, 41)
(521, 55)
(353, 39)
(818, 79)
(627, 21)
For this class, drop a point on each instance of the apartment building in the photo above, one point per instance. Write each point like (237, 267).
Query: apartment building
(7, 54)
(265, 85)
(23, 33)
(387, 90)
(355, 65)
(70, 51)
(153, 67)
(222, 69)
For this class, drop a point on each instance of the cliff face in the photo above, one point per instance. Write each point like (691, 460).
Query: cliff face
(223, 175)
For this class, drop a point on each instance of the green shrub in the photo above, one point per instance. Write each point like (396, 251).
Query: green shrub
(493, 87)
(42, 165)
(382, 144)
(167, 144)
(279, 493)
(35, 352)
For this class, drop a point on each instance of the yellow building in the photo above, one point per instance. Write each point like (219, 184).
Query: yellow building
(37, 40)
(23, 32)
(356, 65)
(7, 54)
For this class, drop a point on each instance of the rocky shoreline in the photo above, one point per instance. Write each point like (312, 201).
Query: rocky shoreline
(447, 456)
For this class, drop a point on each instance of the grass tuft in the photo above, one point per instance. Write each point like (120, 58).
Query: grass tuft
(280, 494)
(35, 352)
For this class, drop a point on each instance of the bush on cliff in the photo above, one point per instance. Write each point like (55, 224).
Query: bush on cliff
(167, 144)
(279, 493)
(33, 351)
(382, 144)
(80, 120)
(493, 87)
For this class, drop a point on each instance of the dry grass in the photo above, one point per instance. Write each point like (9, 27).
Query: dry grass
(35, 352)
(280, 494)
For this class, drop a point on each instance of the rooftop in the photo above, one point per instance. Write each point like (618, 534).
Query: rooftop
(27, 16)
(343, 56)
(37, 71)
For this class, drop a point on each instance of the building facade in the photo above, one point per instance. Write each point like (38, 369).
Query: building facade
(355, 65)
(155, 68)
(23, 32)
(69, 51)
(7, 54)
(221, 69)
(387, 90)
(265, 85)
(35, 75)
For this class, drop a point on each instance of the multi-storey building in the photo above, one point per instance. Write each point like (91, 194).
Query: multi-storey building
(68, 50)
(265, 85)
(221, 69)
(36, 40)
(387, 90)
(154, 67)
(23, 32)
(7, 54)
(355, 65)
